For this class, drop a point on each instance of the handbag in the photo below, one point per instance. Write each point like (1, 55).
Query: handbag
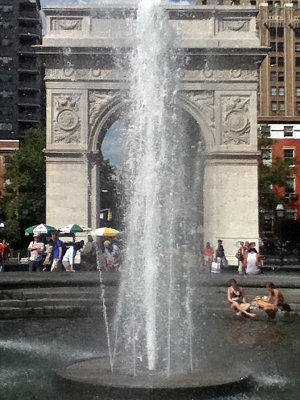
(215, 267)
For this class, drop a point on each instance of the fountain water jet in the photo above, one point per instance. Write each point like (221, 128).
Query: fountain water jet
(153, 326)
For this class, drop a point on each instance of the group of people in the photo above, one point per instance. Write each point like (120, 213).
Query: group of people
(270, 304)
(218, 255)
(54, 256)
(249, 260)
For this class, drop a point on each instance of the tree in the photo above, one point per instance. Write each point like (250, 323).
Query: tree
(23, 203)
(110, 194)
(273, 177)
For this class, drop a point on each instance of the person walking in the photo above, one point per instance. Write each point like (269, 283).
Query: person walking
(36, 250)
(57, 253)
(69, 257)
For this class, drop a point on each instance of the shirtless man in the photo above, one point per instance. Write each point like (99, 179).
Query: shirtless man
(273, 302)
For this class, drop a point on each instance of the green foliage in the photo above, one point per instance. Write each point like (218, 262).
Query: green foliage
(110, 194)
(275, 174)
(23, 203)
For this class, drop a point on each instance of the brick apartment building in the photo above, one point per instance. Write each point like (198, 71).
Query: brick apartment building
(21, 73)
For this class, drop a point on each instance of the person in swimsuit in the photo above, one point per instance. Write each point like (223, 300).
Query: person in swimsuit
(274, 301)
(236, 296)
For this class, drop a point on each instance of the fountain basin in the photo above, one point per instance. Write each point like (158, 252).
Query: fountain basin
(94, 376)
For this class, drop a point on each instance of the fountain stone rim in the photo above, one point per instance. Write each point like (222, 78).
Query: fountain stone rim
(94, 374)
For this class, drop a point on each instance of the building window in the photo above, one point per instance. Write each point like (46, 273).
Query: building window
(5, 9)
(273, 46)
(253, 2)
(273, 76)
(282, 106)
(5, 127)
(272, 31)
(290, 188)
(291, 214)
(280, 31)
(273, 91)
(297, 61)
(6, 94)
(281, 91)
(287, 131)
(5, 78)
(280, 62)
(297, 32)
(298, 107)
(297, 46)
(272, 61)
(265, 130)
(5, 60)
(5, 111)
(298, 76)
(280, 46)
(266, 156)
(289, 156)
(281, 76)
(274, 106)
(297, 91)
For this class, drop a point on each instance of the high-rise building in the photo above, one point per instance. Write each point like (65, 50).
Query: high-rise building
(21, 73)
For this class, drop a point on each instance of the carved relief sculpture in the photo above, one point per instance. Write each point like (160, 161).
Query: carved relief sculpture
(97, 101)
(66, 122)
(205, 103)
(66, 24)
(235, 120)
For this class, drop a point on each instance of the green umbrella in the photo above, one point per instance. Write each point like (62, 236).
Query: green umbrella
(74, 228)
(41, 228)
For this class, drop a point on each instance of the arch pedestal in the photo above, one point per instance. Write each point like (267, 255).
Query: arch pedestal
(85, 93)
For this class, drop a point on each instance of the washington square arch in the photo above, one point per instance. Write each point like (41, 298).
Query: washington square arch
(85, 96)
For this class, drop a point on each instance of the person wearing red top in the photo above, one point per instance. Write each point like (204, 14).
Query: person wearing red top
(208, 255)
(4, 254)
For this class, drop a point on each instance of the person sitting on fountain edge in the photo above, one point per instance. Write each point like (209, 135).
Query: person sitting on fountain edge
(273, 302)
(236, 296)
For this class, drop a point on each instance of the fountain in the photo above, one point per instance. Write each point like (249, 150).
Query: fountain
(151, 343)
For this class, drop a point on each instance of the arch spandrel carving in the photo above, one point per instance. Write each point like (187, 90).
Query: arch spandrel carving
(66, 118)
(235, 120)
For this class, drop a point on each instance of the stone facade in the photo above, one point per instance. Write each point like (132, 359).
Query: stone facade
(85, 93)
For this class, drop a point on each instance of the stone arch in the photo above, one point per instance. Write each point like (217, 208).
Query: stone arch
(109, 114)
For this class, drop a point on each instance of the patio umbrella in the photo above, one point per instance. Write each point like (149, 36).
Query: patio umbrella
(41, 228)
(106, 232)
(74, 228)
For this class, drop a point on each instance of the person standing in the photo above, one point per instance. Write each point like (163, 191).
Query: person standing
(220, 255)
(57, 253)
(208, 255)
(36, 250)
(240, 257)
(112, 255)
(4, 254)
(49, 253)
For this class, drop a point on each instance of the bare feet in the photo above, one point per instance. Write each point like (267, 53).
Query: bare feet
(252, 315)
(239, 313)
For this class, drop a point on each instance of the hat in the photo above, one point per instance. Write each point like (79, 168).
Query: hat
(106, 242)
(36, 235)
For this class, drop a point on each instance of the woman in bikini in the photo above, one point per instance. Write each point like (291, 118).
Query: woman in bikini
(273, 302)
(236, 296)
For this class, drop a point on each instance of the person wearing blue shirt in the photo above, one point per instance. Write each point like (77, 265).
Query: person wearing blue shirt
(57, 253)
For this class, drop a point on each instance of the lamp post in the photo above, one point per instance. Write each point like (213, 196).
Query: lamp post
(280, 214)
